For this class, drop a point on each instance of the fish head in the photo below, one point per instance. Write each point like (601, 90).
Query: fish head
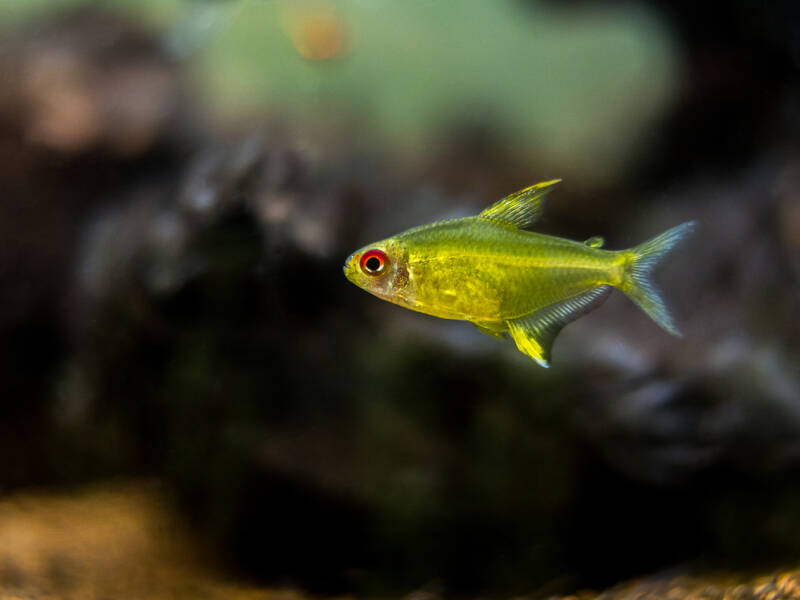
(380, 269)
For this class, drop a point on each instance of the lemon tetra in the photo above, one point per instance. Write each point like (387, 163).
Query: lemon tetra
(486, 269)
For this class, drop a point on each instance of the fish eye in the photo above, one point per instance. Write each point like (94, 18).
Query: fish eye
(373, 262)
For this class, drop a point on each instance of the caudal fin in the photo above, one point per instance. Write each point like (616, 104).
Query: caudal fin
(642, 259)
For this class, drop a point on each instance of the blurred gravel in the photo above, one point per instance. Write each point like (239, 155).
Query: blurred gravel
(120, 540)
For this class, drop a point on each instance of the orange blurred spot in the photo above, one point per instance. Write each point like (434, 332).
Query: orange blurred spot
(318, 34)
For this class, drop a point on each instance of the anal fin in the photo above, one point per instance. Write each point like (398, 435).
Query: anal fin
(535, 333)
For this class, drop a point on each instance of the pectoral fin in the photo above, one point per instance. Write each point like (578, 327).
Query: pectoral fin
(521, 208)
(534, 333)
(489, 330)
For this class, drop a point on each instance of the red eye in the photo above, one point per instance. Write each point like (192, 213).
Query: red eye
(373, 262)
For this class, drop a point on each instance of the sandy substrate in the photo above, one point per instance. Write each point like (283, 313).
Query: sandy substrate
(120, 540)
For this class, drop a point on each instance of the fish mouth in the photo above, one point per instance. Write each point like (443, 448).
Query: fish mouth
(347, 267)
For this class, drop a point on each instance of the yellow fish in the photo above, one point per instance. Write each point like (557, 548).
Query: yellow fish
(488, 271)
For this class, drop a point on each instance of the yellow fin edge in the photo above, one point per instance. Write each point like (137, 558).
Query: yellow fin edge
(527, 344)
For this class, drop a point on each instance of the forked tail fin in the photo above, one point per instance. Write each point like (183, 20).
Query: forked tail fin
(642, 259)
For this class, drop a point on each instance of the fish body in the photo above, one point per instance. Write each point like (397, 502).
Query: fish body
(487, 270)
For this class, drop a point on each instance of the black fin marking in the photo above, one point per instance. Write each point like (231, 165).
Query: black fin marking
(534, 334)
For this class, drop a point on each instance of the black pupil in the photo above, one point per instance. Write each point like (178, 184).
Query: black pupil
(373, 263)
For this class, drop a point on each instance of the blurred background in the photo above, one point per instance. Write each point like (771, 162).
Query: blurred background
(192, 396)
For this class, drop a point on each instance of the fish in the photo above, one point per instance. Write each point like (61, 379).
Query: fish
(488, 270)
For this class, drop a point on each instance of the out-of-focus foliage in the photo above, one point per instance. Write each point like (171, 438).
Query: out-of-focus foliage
(570, 91)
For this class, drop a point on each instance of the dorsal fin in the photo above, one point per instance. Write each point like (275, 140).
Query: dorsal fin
(521, 208)
(534, 333)
(595, 242)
